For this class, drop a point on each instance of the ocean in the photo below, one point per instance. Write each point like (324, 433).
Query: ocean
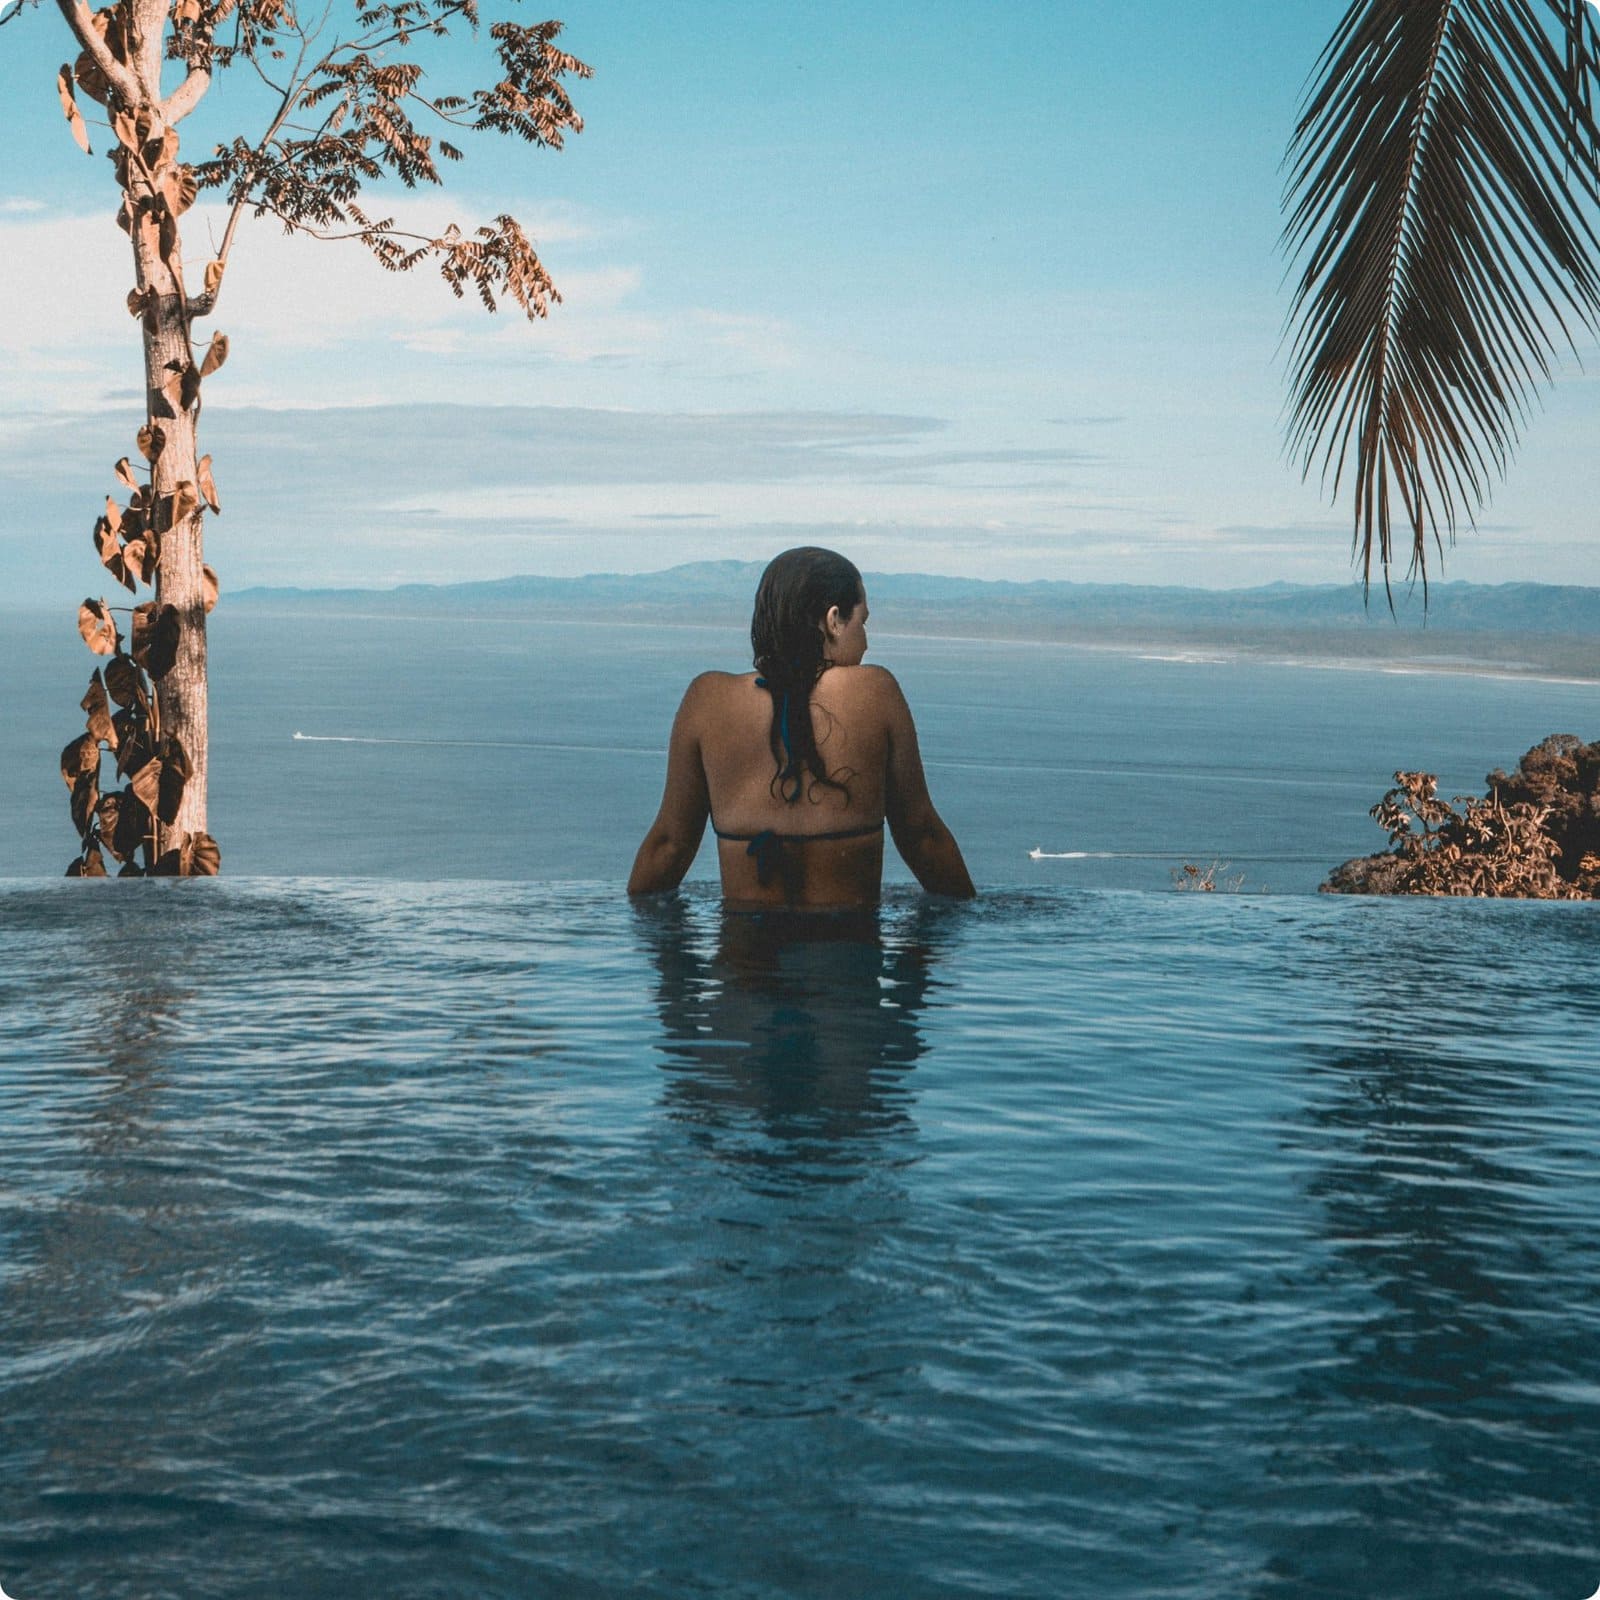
(534, 751)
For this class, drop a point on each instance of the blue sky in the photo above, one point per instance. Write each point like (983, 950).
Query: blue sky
(987, 289)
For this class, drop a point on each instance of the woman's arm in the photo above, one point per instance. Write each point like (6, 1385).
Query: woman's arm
(674, 837)
(927, 846)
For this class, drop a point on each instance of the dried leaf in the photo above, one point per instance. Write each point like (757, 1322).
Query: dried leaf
(202, 858)
(122, 125)
(143, 619)
(132, 870)
(113, 514)
(129, 825)
(209, 589)
(139, 302)
(169, 864)
(124, 473)
(129, 726)
(79, 757)
(178, 189)
(168, 235)
(146, 784)
(185, 502)
(95, 703)
(125, 685)
(214, 271)
(108, 813)
(91, 864)
(161, 648)
(85, 797)
(158, 151)
(175, 386)
(133, 554)
(98, 630)
(189, 387)
(174, 763)
(69, 106)
(152, 441)
(169, 795)
(216, 354)
(208, 484)
(90, 78)
(105, 541)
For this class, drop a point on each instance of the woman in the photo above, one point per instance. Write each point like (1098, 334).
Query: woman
(801, 762)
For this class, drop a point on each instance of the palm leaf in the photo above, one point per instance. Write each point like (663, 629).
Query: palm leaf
(1440, 211)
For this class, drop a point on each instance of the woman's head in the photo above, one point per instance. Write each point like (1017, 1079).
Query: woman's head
(810, 610)
(810, 613)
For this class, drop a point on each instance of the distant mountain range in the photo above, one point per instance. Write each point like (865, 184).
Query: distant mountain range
(1528, 626)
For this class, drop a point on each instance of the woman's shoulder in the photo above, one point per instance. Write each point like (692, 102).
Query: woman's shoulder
(866, 682)
(707, 688)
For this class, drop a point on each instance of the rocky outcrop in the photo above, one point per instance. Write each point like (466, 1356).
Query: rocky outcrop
(1535, 835)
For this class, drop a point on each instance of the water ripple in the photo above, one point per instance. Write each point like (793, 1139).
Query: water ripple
(508, 1240)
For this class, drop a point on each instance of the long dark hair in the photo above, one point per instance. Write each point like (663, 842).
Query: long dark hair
(794, 596)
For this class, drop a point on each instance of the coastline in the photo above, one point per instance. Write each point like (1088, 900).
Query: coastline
(1520, 658)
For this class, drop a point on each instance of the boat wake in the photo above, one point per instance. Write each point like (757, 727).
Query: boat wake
(1037, 854)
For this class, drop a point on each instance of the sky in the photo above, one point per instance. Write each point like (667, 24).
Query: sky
(990, 289)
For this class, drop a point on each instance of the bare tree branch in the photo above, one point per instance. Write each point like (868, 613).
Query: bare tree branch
(187, 95)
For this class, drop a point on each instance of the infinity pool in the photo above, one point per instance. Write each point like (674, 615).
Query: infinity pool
(503, 1240)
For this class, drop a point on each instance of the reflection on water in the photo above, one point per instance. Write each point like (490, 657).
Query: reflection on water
(1456, 1252)
(789, 1039)
(511, 1242)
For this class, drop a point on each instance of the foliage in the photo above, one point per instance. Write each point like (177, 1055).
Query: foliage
(1193, 879)
(1442, 178)
(351, 101)
(1535, 835)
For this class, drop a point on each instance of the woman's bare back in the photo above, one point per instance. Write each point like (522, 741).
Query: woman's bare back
(721, 767)
(793, 845)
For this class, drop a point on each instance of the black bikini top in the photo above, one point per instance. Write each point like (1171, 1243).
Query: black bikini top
(768, 845)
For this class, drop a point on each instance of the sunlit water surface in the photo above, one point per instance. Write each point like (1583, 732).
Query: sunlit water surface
(500, 1240)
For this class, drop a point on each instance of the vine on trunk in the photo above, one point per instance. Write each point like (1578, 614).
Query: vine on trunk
(138, 824)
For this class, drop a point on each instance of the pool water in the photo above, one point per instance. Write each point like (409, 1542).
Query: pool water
(372, 1238)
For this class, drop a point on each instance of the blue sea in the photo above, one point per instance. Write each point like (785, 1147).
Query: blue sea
(406, 1214)
(419, 749)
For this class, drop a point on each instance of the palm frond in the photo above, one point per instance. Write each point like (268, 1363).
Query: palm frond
(1443, 175)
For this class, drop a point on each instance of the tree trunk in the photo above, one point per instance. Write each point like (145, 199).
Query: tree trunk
(180, 578)
(156, 190)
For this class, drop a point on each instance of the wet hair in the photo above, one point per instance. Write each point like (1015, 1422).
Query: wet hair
(793, 598)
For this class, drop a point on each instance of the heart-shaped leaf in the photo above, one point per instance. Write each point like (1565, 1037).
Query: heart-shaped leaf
(79, 757)
(125, 683)
(98, 630)
(99, 710)
(91, 79)
(161, 646)
(146, 784)
(202, 858)
(207, 483)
